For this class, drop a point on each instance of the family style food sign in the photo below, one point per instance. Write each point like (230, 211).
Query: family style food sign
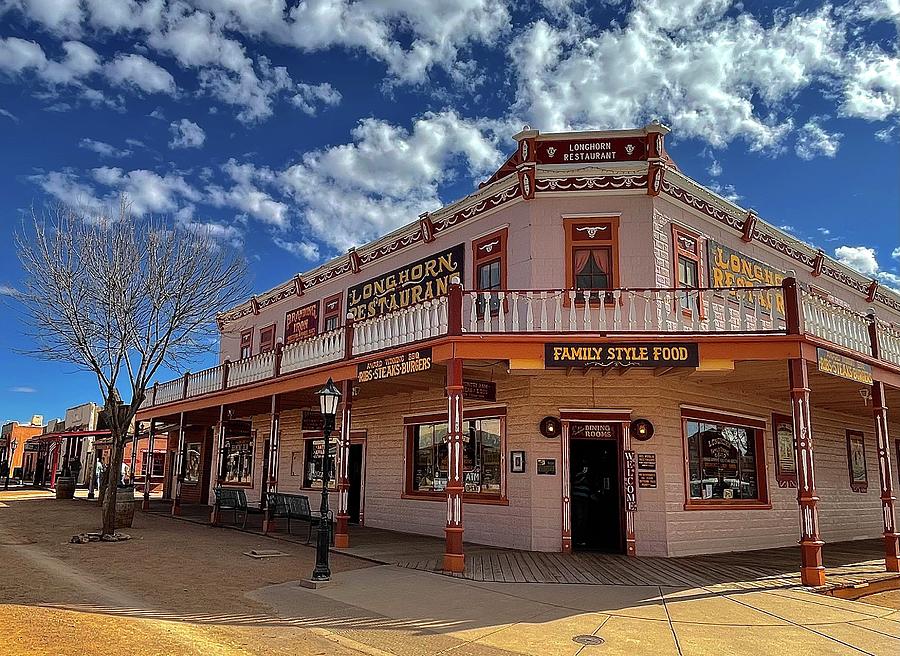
(627, 354)
(410, 284)
(730, 268)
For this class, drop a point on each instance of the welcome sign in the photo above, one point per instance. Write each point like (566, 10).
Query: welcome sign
(420, 281)
(730, 268)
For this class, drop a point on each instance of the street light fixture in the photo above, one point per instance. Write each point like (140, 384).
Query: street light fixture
(329, 398)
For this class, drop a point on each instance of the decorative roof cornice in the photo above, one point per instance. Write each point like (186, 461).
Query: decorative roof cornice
(689, 192)
(480, 202)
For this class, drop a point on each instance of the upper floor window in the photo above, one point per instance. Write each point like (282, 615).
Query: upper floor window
(489, 258)
(592, 253)
(267, 339)
(688, 269)
(331, 313)
(247, 343)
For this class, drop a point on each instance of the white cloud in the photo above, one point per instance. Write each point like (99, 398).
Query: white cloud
(6, 290)
(62, 16)
(814, 141)
(309, 95)
(726, 191)
(147, 191)
(303, 249)
(896, 253)
(246, 196)
(104, 149)
(861, 258)
(186, 134)
(872, 84)
(715, 168)
(139, 72)
(21, 389)
(387, 176)
(7, 114)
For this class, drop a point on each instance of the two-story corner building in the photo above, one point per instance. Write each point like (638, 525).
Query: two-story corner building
(13, 437)
(591, 351)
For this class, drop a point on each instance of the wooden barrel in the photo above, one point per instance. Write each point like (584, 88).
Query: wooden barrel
(125, 506)
(65, 487)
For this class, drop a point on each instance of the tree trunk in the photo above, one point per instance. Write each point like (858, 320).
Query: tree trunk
(111, 484)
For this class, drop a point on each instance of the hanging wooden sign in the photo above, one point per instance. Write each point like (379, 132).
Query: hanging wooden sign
(312, 420)
(479, 390)
(625, 354)
(410, 284)
(646, 461)
(395, 365)
(843, 367)
(546, 466)
(646, 479)
(630, 482)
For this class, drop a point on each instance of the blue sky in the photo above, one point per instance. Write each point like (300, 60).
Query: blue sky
(295, 130)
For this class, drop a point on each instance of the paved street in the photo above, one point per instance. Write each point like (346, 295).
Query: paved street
(183, 588)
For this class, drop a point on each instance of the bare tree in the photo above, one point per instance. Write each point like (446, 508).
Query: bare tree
(121, 296)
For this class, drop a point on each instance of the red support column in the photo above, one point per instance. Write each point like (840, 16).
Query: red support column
(454, 560)
(342, 532)
(812, 571)
(566, 488)
(891, 537)
(151, 442)
(179, 467)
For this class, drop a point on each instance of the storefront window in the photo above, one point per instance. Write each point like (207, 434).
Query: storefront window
(481, 456)
(238, 460)
(722, 461)
(159, 463)
(192, 455)
(312, 472)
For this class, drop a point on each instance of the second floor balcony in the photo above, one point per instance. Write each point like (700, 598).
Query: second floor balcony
(709, 313)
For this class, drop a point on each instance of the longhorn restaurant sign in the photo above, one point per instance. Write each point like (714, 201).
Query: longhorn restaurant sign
(410, 284)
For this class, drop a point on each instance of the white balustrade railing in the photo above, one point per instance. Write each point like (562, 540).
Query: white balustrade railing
(206, 381)
(252, 369)
(327, 347)
(835, 323)
(415, 323)
(169, 391)
(734, 310)
(888, 343)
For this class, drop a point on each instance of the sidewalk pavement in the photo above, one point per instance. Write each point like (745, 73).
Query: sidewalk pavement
(544, 620)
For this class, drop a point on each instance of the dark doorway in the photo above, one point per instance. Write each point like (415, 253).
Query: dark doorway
(596, 495)
(354, 475)
(265, 476)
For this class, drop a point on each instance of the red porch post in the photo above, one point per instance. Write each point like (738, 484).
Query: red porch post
(342, 532)
(454, 560)
(891, 537)
(179, 467)
(812, 571)
(151, 442)
(272, 475)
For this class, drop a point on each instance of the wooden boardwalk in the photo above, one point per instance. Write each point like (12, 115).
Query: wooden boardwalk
(847, 563)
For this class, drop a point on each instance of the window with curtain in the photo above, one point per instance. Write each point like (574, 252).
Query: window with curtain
(687, 268)
(722, 461)
(482, 449)
(592, 255)
(591, 266)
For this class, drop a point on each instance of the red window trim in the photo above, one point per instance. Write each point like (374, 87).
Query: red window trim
(481, 257)
(262, 345)
(864, 486)
(762, 480)
(246, 341)
(573, 241)
(336, 312)
(697, 257)
(475, 413)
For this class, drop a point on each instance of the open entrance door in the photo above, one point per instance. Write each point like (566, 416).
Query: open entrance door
(354, 475)
(596, 486)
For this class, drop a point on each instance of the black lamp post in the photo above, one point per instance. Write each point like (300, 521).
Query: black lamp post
(329, 398)
(10, 452)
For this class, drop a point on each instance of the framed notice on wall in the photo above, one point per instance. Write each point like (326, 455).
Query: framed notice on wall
(856, 461)
(785, 451)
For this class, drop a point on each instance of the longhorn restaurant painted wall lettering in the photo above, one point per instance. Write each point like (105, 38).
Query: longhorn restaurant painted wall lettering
(410, 284)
